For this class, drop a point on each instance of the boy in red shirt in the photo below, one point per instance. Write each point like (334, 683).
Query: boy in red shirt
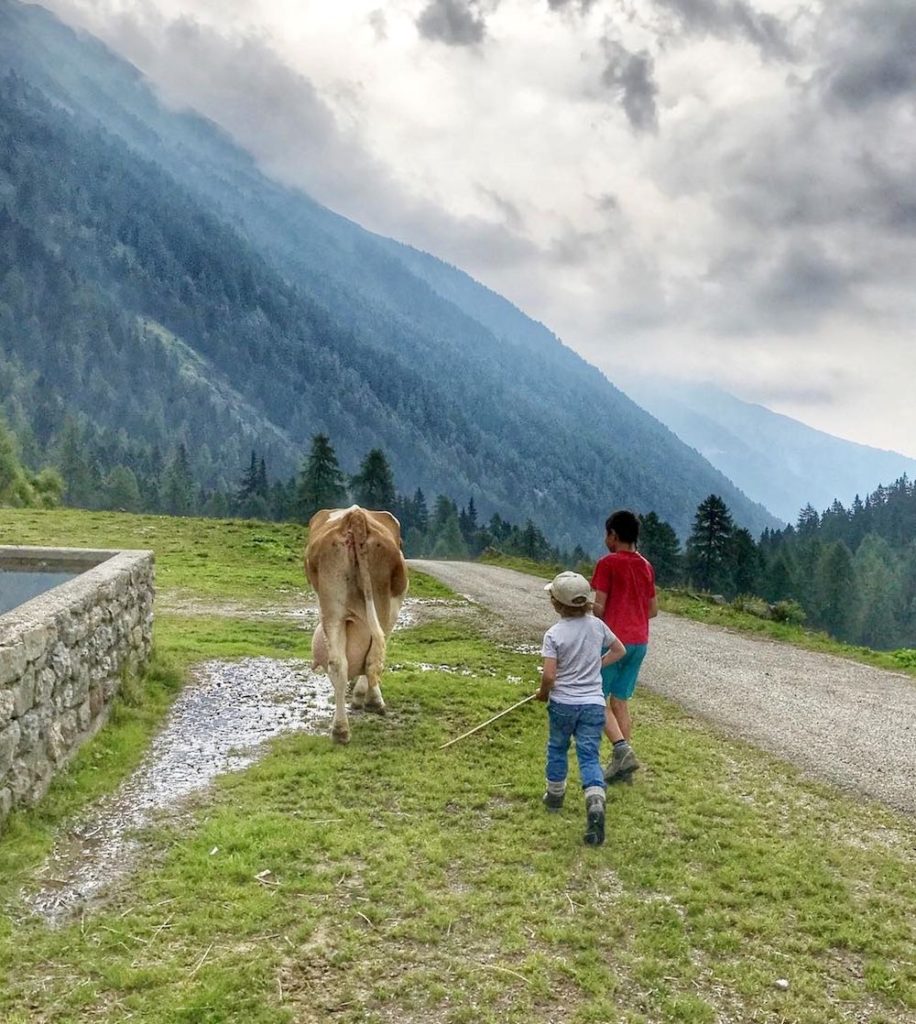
(624, 585)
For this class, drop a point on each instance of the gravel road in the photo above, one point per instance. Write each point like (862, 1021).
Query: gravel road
(837, 720)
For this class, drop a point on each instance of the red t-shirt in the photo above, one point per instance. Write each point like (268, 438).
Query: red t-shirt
(629, 582)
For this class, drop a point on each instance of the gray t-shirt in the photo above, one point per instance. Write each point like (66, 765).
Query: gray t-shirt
(576, 643)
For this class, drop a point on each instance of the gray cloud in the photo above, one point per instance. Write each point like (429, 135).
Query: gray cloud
(379, 23)
(878, 42)
(732, 19)
(630, 76)
(567, 5)
(453, 22)
(510, 212)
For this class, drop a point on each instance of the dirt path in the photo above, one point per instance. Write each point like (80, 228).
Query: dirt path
(850, 724)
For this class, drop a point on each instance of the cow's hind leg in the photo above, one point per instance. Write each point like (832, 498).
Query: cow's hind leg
(359, 692)
(374, 664)
(336, 635)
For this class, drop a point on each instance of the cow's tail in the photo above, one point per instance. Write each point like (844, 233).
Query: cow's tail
(359, 531)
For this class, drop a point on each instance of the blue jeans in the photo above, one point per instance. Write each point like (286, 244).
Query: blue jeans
(585, 724)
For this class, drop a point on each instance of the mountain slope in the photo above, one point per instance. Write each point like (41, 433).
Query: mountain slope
(313, 322)
(775, 459)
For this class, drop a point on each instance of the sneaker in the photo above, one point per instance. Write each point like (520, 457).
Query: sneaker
(594, 826)
(621, 766)
(553, 801)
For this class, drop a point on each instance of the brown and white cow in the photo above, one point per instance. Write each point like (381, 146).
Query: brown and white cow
(355, 565)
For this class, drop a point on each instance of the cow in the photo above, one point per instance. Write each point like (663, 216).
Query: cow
(354, 563)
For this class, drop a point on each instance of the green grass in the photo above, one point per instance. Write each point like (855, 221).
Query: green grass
(209, 558)
(679, 603)
(411, 884)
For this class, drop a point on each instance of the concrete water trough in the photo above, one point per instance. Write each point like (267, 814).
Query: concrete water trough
(73, 622)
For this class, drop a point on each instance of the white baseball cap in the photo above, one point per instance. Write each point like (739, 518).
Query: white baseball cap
(570, 588)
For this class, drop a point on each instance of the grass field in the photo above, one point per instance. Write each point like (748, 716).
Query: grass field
(410, 884)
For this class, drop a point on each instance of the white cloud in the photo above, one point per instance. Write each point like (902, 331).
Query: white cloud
(718, 188)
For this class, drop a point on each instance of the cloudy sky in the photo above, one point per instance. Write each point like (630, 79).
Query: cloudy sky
(718, 190)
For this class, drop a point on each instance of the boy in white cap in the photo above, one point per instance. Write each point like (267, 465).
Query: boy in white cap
(571, 682)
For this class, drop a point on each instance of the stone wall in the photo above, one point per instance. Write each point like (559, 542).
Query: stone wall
(62, 657)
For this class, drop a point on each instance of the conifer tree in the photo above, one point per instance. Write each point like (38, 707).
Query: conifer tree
(248, 484)
(321, 482)
(122, 490)
(178, 485)
(746, 563)
(659, 544)
(420, 512)
(373, 485)
(878, 586)
(708, 544)
(449, 543)
(836, 595)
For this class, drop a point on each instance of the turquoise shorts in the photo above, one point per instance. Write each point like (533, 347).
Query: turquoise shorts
(619, 680)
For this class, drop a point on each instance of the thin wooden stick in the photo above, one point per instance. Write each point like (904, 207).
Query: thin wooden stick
(477, 728)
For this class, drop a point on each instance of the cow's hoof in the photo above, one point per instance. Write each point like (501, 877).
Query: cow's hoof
(341, 736)
(357, 704)
(377, 709)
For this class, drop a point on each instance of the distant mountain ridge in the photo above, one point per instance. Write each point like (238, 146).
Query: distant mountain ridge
(776, 460)
(163, 229)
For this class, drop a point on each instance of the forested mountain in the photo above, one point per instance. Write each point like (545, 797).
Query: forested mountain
(156, 289)
(774, 459)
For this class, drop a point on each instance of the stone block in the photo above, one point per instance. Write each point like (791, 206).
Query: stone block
(23, 693)
(36, 640)
(68, 727)
(44, 687)
(60, 660)
(96, 700)
(9, 743)
(84, 715)
(54, 744)
(30, 728)
(6, 802)
(6, 706)
(12, 663)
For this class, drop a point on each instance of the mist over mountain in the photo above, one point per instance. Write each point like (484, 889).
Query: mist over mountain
(158, 288)
(774, 459)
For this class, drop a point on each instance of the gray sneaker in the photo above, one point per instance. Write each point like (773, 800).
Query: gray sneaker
(594, 823)
(621, 766)
(553, 801)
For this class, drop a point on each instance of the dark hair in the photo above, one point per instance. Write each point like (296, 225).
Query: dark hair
(625, 524)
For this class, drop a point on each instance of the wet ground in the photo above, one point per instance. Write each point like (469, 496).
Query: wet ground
(218, 724)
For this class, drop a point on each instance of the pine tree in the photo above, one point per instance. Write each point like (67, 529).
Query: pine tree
(122, 490)
(321, 482)
(248, 484)
(178, 485)
(373, 485)
(708, 545)
(449, 542)
(808, 521)
(74, 467)
(262, 487)
(835, 592)
(15, 489)
(746, 563)
(420, 512)
(878, 586)
(659, 544)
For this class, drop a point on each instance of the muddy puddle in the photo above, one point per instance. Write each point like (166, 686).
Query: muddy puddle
(218, 724)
